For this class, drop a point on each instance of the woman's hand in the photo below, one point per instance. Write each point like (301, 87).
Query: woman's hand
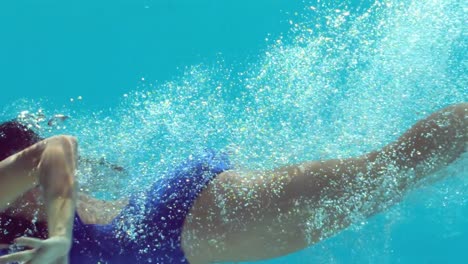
(53, 250)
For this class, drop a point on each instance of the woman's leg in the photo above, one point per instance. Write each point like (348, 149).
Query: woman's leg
(260, 215)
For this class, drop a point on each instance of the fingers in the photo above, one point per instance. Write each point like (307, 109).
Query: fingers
(22, 256)
(28, 242)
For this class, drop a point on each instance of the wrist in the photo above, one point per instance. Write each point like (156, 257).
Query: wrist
(64, 241)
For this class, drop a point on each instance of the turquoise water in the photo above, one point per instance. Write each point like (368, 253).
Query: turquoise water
(146, 83)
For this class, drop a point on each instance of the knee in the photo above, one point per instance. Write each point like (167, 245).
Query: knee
(58, 155)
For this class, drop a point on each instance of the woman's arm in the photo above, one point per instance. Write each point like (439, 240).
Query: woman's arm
(265, 214)
(50, 164)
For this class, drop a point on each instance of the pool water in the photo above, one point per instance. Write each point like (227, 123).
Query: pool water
(146, 83)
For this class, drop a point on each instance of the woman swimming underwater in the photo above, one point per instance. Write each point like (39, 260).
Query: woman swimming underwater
(203, 211)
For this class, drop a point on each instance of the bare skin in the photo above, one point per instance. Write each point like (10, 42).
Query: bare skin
(245, 216)
(257, 215)
(90, 210)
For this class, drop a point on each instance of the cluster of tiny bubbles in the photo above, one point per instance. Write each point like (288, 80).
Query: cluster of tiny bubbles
(341, 83)
(154, 129)
(348, 82)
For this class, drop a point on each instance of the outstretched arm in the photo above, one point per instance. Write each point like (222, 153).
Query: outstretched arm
(51, 165)
(265, 214)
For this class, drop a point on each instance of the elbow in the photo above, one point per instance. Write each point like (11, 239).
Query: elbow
(57, 166)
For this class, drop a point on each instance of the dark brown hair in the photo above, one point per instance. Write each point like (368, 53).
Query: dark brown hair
(15, 137)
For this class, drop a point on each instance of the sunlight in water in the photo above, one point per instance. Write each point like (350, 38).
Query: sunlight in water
(342, 82)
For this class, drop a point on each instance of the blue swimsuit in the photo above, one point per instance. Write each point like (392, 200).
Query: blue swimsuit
(149, 228)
